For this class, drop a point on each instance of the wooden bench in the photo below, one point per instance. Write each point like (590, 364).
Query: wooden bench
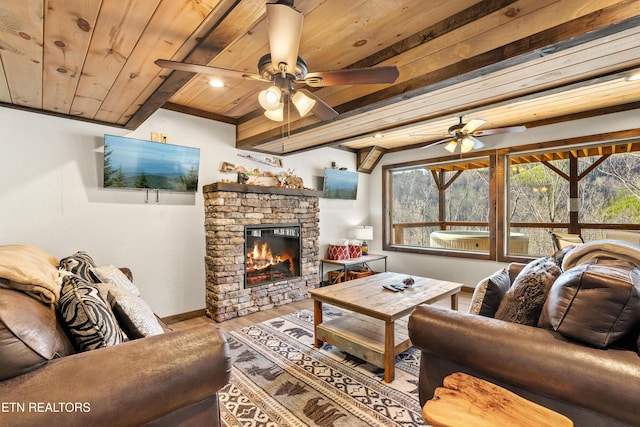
(467, 401)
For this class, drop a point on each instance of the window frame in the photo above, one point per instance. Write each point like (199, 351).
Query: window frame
(499, 225)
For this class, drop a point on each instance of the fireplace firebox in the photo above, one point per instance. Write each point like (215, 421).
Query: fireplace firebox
(272, 253)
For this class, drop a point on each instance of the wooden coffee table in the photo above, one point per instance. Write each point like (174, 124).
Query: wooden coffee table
(376, 328)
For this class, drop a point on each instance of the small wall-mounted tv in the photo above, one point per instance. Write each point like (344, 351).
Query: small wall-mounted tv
(340, 184)
(136, 163)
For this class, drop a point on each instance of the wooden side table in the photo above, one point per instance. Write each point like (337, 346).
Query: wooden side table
(350, 262)
(467, 401)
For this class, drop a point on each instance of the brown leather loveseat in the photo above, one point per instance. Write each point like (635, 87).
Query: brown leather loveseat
(169, 379)
(579, 353)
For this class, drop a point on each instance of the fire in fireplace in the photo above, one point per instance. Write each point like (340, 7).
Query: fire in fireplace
(272, 253)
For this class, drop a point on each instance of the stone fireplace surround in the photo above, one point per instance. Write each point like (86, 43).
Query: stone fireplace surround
(228, 208)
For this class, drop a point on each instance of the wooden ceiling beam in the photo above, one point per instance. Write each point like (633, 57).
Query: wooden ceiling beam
(233, 17)
(458, 20)
(199, 113)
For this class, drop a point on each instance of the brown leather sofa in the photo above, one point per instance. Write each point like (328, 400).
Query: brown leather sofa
(592, 386)
(170, 379)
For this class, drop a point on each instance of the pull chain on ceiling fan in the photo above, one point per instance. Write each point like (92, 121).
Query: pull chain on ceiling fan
(287, 72)
(464, 134)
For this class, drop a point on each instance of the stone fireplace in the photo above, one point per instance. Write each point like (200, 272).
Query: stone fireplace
(241, 276)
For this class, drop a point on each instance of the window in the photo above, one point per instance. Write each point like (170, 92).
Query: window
(537, 202)
(504, 205)
(590, 191)
(443, 206)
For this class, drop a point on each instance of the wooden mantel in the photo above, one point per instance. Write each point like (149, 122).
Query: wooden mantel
(244, 188)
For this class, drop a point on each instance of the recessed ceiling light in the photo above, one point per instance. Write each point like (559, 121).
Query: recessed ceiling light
(216, 83)
(633, 77)
(378, 135)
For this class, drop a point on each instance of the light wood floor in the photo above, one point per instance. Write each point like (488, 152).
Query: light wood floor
(464, 300)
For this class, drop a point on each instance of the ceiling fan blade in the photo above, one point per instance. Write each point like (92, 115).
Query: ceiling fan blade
(354, 76)
(244, 106)
(472, 125)
(321, 109)
(477, 144)
(437, 142)
(422, 135)
(285, 30)
(494, 131)
(205, 69)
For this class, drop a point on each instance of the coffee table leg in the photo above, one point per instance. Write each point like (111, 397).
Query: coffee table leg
(317, 319)
(454, 302)
(389, 352)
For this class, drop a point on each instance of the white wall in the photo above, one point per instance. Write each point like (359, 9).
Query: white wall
(51, 197)
(466, 271)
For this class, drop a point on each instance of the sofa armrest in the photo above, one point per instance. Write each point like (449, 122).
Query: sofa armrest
(538, 360)
(129, 384)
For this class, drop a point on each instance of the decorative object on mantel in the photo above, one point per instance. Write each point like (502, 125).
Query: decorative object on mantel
(261, 178)
(364, 233)
(289, 180)
(242, 178)
(261, 158)
(227, 167)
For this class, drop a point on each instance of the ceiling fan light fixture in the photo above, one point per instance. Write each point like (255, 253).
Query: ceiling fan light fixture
(269, 98)
(276, 115)
(303, 103)
(466, 144)
(451, 147)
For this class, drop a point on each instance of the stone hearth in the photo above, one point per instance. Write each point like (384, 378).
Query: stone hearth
(228, 209)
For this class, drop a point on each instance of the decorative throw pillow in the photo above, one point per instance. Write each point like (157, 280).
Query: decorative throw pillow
(134, 315)
(87, 315)
(595, 303)
(113, 275)
(78, 264)
(524, 300)
(489, 293)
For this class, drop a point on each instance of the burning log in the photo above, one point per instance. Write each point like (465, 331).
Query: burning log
(284, 267)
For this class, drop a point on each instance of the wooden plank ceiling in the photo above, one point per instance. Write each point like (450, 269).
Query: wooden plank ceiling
(510, 62)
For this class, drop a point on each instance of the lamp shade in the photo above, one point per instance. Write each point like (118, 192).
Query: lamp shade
(466, 145)
(364, 232)
(269, 98)
(303, 103)
(451, 147)
(276, 115)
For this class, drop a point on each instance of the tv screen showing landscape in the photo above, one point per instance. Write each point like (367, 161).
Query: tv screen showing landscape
(339, 184)
(136, 163)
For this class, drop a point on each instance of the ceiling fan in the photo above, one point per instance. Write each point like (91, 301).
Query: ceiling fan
(287, 72)
(465, 134)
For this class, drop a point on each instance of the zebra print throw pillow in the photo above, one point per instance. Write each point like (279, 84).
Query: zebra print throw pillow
(79, 264)
(88, 317)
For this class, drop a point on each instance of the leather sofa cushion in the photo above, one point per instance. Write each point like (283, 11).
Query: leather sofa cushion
(30, 334)
(596, 303)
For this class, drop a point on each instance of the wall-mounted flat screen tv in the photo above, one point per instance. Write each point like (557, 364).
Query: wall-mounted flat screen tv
(339, 184)
(136, 163)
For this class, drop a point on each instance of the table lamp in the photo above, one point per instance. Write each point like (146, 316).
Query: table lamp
(364, 233)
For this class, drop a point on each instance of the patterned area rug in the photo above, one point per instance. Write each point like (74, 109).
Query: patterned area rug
(279, 379)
